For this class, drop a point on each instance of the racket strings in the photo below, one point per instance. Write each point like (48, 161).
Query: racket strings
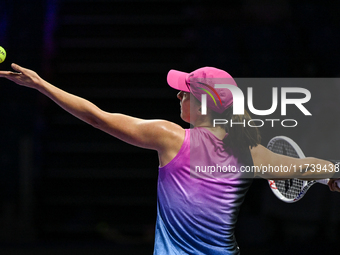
(291, 188)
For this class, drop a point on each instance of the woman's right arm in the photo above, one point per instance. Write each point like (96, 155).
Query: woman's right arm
(158, 135)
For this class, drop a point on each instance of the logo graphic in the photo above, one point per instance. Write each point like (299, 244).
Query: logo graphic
(238, 97)
(204, 97)
(212, 89)
(272, 184)
(239, 100)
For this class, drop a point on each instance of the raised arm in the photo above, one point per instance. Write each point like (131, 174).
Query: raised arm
(158, 135)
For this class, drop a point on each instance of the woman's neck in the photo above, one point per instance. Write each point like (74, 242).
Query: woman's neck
(206, 122)
(218, 131)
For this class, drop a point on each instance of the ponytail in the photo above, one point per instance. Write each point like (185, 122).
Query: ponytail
(240, 136)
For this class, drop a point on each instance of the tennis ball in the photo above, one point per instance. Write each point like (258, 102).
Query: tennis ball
(2, 54)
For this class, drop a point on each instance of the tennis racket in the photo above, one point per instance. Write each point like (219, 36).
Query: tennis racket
(291, 190)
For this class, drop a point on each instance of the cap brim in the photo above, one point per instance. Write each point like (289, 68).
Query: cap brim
(176, 80)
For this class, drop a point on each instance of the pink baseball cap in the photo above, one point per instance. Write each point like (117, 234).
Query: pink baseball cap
(202, 81)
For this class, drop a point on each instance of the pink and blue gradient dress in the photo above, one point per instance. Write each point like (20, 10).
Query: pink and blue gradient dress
(197, 212)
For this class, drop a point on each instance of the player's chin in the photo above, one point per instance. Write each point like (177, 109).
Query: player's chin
(185, 118)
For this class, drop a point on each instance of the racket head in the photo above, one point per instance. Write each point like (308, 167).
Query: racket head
(291, 190)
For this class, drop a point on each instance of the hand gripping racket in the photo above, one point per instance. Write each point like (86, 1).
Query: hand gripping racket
(291, 190)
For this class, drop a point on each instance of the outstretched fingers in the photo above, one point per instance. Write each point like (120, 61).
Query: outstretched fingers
(8, 74)
(18, 68)
(22, 76)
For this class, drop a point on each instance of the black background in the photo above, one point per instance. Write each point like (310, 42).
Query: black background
(66, 187)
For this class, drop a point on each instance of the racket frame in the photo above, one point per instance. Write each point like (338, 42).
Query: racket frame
(306, 184)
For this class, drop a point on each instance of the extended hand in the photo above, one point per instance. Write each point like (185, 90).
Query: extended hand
(23, 76)
(333, 186)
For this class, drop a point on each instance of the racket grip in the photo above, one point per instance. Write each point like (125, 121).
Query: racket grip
(325, 181)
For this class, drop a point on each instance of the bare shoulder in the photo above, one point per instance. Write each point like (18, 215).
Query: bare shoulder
(172, 138)
(169, 134)
(150, 134)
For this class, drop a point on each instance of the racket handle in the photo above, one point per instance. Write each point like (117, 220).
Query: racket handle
(325, 181)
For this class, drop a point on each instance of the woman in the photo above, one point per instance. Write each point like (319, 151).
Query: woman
(197, 209)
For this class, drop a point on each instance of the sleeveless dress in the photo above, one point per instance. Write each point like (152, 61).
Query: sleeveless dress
(197, 214)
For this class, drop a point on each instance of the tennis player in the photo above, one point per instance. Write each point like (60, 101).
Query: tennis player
(196, 213)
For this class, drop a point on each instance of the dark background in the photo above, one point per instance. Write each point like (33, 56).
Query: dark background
(67, 187)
